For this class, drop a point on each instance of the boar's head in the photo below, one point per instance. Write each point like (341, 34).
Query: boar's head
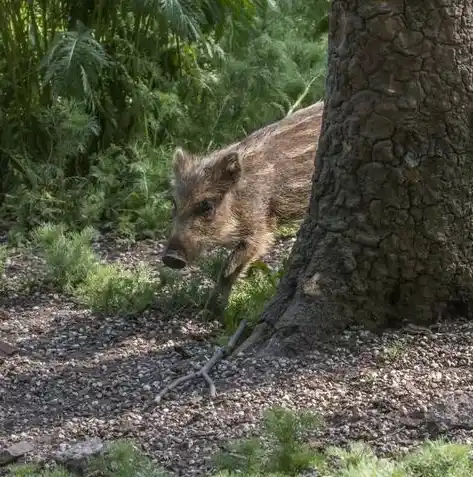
(202, 216)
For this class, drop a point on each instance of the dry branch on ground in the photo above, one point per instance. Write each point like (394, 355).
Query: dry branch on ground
(204, 371)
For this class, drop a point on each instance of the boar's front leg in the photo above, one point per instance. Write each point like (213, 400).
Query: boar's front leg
(236, 264)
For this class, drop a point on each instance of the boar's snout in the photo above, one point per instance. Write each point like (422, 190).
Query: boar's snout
(174, 255)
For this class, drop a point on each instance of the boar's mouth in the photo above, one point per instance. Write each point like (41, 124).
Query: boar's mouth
(174, 259)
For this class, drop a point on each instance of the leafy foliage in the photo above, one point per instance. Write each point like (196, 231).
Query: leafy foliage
(249, 297)
(178, 295)
(73, 266)
(69, 256)
(440, 458)
(111, 289)
(73, 65)
(281, 450)
(121, 458)
(95, 95)
(124, 459)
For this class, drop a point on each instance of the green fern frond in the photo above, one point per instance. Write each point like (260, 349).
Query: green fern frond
(73, 64)
(183, 16)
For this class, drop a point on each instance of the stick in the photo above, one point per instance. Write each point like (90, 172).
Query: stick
(204, 371)
(302, 96)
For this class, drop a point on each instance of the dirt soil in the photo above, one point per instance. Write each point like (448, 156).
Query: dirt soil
(75, 375)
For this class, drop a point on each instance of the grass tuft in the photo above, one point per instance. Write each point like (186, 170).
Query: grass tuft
(280, 449)
(73, 266)
(68, 255)
(123, 458)
(249, 297)
(109, 288)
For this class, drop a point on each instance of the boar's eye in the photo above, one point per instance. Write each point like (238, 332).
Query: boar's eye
(205, 208)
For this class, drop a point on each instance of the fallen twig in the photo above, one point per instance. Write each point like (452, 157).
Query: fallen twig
(204, 371)
(302, 96)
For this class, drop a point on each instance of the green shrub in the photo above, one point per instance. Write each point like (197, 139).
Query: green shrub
(281, 449)
(128, 190)
(249, 297)
(124, 459)
(34, 471)
(68, 255)
(89, 117)
(121, 458)
(73, 266)
(112, 289)
(440, 459)
(360, 461)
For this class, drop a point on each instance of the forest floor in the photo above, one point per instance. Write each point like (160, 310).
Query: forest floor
(74, 375)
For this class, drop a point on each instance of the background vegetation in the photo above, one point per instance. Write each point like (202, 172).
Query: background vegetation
(95, 94)
(282, 450)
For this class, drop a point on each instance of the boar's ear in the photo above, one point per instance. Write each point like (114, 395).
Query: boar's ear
(227, 169)
(181, 160)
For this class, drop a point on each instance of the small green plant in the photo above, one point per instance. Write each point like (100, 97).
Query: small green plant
(120, 459)
(69, 255)
(261, 457)
(178, 294)
(249, 296)
(34, 471)
(360, 461)
(124, 459)
(72, 265)
(394, 351)
(288, 230)
(280, 450)
(110, 288)
(432, 459)
(440, 459)
(287, 432)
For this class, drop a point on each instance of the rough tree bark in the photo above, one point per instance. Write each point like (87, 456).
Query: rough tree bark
(389, 232)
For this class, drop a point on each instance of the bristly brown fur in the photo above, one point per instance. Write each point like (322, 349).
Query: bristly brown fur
(254, 185)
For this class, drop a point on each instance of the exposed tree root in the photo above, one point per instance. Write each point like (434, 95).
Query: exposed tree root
(204, 371)
(253, 339)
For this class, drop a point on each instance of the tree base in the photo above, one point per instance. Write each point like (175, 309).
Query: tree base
(303, 326)
(300, 329)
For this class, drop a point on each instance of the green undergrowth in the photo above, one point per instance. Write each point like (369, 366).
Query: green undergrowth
(194, 293)
(288, 230)
(73, 267)
(249, 297)
(68, 255)
(110, 288)
(93, 108)
(282, 449)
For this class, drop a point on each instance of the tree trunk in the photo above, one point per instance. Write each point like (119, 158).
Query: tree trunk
(389, 232)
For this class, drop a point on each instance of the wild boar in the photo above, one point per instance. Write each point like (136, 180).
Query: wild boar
(237, 196)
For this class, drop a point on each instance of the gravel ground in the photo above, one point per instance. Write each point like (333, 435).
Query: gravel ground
(78, 376)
